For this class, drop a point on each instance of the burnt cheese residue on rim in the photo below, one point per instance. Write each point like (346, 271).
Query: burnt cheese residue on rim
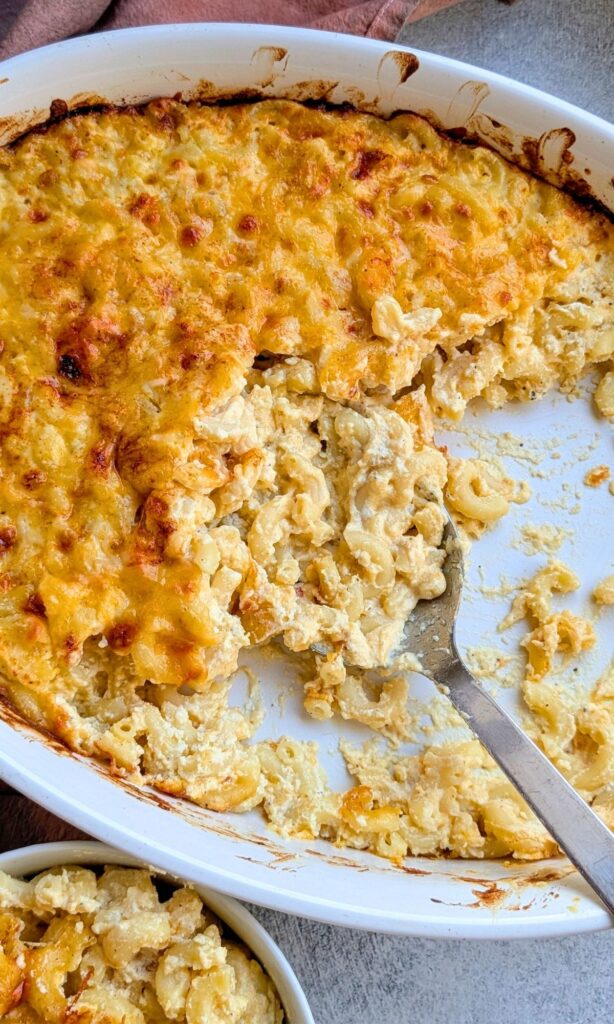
(407, 63)
(189, 812)
(548, 156)
(489, 892)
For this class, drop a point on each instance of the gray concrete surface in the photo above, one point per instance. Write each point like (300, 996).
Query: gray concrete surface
(565, 47)
(355, 977)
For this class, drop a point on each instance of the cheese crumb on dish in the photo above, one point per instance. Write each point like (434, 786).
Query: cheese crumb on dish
(106, 948)
(542, 537)
(224, 334)
(604, 591)
(495, 666)
(553, 632)
(596, 476)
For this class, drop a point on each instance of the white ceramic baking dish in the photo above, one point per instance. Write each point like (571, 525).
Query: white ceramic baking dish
(31, 859)
(238, 854)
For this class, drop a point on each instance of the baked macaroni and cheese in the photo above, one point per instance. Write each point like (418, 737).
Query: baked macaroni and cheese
(76, 945)
(226, 332)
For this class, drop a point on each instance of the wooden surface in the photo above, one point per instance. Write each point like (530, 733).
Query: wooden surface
(23, 823)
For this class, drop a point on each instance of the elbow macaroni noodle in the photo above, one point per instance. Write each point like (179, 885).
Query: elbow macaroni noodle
(106, 949)
(225, 333)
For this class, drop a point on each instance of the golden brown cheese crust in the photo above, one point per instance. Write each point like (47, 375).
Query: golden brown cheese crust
(148, 256)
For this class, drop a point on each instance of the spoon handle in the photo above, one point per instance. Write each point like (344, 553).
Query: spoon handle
(585, 839)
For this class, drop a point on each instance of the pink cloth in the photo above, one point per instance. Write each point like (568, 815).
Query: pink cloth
(46, 21)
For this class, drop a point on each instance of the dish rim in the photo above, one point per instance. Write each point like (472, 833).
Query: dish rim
(297, 33)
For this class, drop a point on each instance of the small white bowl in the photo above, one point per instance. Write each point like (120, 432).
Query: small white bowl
(31, 859)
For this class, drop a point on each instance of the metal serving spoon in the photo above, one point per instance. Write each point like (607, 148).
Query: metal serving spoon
(430, 635)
